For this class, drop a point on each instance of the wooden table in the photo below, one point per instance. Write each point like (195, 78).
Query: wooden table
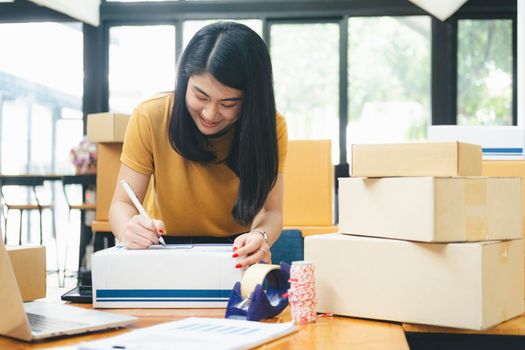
(326, 333)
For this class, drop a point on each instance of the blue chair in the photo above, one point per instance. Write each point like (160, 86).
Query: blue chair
(289, 247)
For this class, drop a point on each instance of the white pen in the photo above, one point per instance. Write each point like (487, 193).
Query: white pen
(137, 204)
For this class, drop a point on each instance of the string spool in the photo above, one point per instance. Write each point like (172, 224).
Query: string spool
(301, 294)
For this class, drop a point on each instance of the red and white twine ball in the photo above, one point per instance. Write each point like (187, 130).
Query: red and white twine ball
(301, 294)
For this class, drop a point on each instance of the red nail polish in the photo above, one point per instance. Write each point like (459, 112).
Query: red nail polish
(235, 255)
(238, 266)
(235, 248)
(161, 231)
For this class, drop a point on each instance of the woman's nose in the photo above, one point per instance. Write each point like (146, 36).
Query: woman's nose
(209, 112)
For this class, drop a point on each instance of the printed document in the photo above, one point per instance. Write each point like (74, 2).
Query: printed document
(195, 333)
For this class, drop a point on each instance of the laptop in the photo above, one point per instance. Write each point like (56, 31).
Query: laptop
(40, 320)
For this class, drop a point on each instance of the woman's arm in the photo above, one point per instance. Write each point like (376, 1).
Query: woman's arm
(251, 247)
(132, 229)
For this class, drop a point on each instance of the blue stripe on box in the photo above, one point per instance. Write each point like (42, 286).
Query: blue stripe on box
(503, 150)
(163, 293)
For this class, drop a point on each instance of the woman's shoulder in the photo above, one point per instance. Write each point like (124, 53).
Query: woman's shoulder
(280, 121)
(157, 104)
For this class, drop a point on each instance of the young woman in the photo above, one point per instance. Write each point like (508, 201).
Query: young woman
(214, 151)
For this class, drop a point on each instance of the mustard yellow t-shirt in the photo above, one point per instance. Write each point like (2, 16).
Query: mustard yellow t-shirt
(192, 199)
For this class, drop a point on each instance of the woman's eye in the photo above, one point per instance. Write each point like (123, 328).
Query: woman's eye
(229, 106)
(201, 98)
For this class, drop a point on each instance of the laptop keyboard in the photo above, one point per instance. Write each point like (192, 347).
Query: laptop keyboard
(41, 323)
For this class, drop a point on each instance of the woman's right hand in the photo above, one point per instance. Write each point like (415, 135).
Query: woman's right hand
(141, 232)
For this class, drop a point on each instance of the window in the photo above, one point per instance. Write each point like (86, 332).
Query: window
(41, 89)
(141, 64)
(307, 89)
(484, 72)
(388, 79)
(37, 81)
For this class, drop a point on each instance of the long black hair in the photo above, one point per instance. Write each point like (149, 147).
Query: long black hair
(237, 57)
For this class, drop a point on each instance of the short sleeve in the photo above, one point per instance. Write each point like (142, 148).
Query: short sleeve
(137, 151)
(282, 141)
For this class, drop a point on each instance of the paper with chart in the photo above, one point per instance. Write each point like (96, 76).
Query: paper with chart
(195, 333)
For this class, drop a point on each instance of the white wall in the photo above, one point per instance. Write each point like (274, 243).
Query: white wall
(87, 11)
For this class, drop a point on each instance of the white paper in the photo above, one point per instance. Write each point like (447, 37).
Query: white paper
(87, 11)
(196, 333)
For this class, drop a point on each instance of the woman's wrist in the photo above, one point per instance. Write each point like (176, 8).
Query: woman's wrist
(264, 234)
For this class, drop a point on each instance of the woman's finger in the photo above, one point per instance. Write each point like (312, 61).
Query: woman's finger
(251, 243)
(147, 234)
(252, 259)
(159, 226)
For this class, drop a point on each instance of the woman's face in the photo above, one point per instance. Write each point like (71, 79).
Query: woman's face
(213, 106)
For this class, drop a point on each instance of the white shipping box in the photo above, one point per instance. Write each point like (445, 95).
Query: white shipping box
(176, 276)
(432, 209)
(462, 285)
(497, 142)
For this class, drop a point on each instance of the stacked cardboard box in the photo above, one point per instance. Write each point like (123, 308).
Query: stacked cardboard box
(309, 183)
(108, 131)
(423, 239)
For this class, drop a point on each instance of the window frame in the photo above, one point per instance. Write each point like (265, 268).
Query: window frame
(443, 39)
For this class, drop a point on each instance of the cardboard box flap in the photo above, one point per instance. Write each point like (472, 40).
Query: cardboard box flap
(107, 127)
(416, 159)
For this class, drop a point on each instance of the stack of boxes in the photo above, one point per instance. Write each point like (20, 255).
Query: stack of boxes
(423, 239)
(502, 147)
(107, 130)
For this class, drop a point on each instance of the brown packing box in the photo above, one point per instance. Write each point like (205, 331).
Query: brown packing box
(432, 209)
(29, 265)
(507, 168)
(108, 165)
(416, 159)
(107, 127)
(308, 183)
(463, 285)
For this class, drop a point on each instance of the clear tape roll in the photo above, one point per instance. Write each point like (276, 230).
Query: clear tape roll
(253, 276)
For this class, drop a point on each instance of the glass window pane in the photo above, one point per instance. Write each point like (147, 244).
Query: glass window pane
(389, 79)
(484, 72)
(69, 130)
(141, 64)
(192, 27)
(41, 140)
(305, 60)
(41, 74)
(37, 79)
(14, 136)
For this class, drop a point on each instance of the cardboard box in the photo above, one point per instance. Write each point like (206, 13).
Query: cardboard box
(179, 276)
(432, 209)
(107, 127)
(108, 166)
(498, 142)
(29, 265)
(462, 285)
(313, 230)
(309, 184)
(507, 168)
(416, 159)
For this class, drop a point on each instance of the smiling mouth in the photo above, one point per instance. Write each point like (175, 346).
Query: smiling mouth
(207, 123)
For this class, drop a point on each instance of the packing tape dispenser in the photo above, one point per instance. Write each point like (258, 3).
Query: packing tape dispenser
(262, 293)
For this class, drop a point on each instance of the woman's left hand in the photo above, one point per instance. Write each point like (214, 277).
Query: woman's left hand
(250, 248)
